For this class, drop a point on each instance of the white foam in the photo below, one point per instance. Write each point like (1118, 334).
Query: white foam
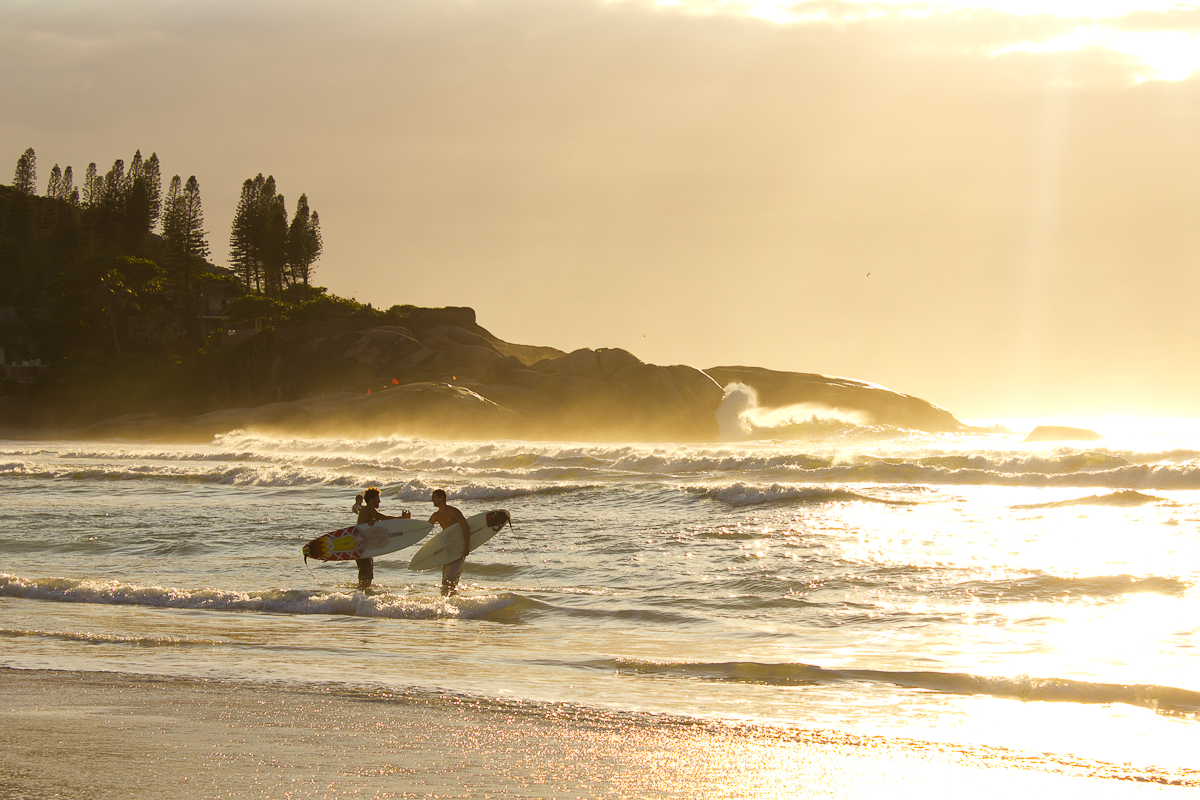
(275, 601)
(410, 469)
(745, 494)
(740, 417)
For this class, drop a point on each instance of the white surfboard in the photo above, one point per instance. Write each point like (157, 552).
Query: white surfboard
(446, 546)
(367, 540)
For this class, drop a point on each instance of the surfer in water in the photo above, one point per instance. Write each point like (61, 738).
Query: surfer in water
(447, 515)
(367, 506)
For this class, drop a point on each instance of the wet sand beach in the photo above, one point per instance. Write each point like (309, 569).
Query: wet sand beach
(102, 735)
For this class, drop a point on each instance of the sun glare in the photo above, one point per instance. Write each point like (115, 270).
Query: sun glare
(1168, 55)
(1165, 55)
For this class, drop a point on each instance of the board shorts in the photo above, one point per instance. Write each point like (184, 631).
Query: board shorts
(366, 570)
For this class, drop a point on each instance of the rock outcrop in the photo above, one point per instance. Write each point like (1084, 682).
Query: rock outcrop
(451, 382)
(430, 409)
(608, 394)
(1061, 433)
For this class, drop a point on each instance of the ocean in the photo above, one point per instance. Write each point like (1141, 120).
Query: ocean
(958, 590)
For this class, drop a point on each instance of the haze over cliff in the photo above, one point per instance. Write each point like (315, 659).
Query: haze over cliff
(460, 381)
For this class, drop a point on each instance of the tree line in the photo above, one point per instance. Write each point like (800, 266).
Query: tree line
(269, 254)
(80, 258)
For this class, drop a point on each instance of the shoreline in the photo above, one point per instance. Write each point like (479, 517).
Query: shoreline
(107, 735)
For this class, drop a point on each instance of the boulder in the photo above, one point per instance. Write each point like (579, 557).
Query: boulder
(609, 394)
(1061, 433)
(378, 348)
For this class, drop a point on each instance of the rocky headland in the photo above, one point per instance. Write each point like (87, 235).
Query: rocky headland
(460, 381)
(1062, 433)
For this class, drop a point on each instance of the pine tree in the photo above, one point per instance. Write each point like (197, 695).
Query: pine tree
(274, 248)
(135, 169)
(316, 245)
(54, 185)
(304, 242)
(258, 239)
(112, 192)
(92, 187)
(195, 238)
(106, 218)
(143, 193)
(183, 220)
(172, 215)
(25, 176)
(153, 175)
(269, 254)
(184, 240)
(242, 248)
(67, 187)
(138, 213)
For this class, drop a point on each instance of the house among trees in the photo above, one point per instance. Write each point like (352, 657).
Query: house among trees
(220, 287)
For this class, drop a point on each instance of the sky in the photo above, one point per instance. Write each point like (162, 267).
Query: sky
(991, 205)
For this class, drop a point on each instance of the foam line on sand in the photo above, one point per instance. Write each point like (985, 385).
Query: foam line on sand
(99, 736)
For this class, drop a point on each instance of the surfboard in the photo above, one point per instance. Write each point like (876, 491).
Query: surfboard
(367, 541)
(446, 546)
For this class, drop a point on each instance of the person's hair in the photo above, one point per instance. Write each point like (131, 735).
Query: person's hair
(372, 491)
(358, 498)
(441, 492)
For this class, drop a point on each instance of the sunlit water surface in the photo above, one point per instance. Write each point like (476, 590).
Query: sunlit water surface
(966, 588)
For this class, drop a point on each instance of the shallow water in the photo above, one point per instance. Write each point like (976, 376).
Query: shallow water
(963, 588)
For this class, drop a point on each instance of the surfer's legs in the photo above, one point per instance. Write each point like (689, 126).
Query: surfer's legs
(366, 571)
(450, 575)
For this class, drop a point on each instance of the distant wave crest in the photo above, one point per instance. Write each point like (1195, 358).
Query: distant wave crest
(1046, 587)
(507, 469)
(1125, 499)
(745, 494)
(1021, 687)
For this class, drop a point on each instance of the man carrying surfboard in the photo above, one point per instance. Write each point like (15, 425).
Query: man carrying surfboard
(446, 516)
(368, 512)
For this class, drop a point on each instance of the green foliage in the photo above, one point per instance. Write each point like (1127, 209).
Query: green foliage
(258, 239)
(256, 306)
(396, 314)
(299, 293)
(143, 277)
(118, 312)
(268, 254)
(184, 242)
(330, 306)
(303, 242)
(86, 385)
(25, 175)
(213, 340)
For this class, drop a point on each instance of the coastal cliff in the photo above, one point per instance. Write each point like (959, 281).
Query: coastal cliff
(463, 382)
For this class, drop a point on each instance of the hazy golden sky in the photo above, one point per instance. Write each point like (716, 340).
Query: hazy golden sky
(991, 205)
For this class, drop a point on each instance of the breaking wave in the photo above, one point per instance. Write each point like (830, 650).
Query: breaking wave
(271, 601)
(743, 494)
(741, 418)
(505, 469)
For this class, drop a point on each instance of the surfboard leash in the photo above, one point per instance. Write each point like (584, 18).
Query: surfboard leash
(532, 571)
